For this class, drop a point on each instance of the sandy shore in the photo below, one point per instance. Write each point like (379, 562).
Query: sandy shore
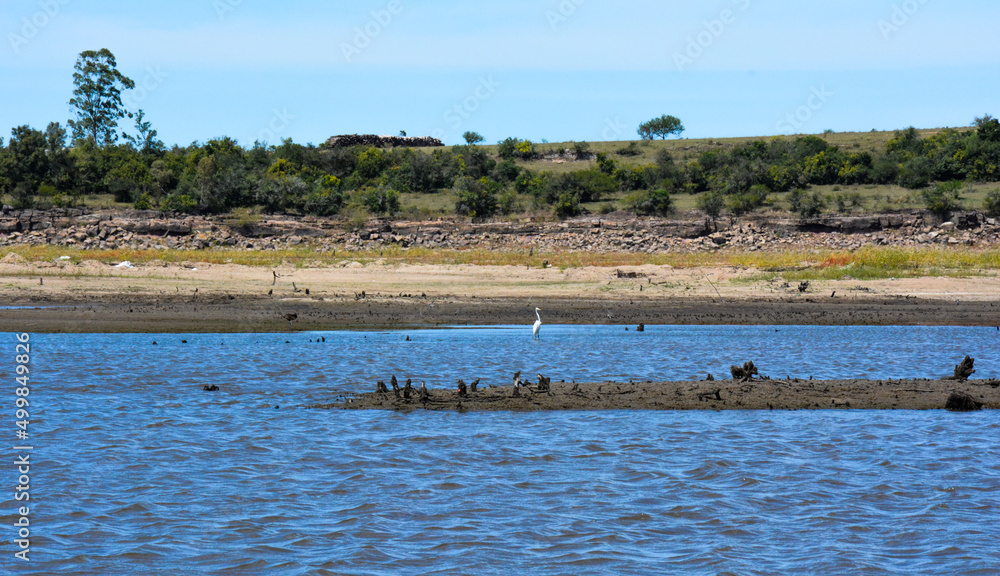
(795, 394)
(94, 297)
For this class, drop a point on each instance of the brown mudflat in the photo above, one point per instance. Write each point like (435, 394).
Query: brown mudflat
(794, 394)
(243, 313)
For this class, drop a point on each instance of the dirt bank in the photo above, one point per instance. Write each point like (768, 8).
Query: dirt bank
(794, 394)
(95, 297)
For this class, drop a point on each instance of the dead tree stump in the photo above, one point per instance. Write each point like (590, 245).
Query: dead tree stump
(964, 370)
(743, 373)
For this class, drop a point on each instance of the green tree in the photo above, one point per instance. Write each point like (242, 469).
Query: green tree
(650, 202)
(97, 101)
(25, 165)
(145, 141)
(711, 203)
(663, 126)
(472, 138)
(477, 198)
(379, 200)
(62, 169)
(988, 128)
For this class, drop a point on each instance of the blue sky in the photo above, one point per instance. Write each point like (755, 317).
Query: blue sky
(552, 69)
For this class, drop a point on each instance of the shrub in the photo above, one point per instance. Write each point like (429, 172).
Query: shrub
(588, 185)
(143, 202)
(633, 177)
(606, 164)
(371, 163)
(277, 194)
(514, 148)
(650, 203)
(507, 171)
(179, 202)
(943, 198)
(567, 205)
(711, 203)
(992, 203)
(631, 150)
(380, 200)
(477, 198)
(805, 204)
(508, 202)
(325, 199)
(581, 150)
(848, 200)
(743, 202)
(915, 173)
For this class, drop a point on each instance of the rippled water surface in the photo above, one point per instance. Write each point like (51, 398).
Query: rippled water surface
(138, 471)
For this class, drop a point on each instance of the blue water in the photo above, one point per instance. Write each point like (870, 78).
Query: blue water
(138, 471)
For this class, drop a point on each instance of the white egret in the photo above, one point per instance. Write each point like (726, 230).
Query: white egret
(538, 324)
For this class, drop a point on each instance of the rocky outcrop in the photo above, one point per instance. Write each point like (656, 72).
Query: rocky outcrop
(151, 230)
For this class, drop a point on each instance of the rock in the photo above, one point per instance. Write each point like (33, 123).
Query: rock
(962, 402)
(13, 258)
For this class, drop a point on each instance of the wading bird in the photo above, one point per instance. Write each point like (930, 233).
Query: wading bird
(538, 324)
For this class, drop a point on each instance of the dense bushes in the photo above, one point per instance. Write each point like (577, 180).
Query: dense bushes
(218, 176)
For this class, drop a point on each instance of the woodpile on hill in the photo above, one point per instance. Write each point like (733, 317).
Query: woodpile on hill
(348, 140)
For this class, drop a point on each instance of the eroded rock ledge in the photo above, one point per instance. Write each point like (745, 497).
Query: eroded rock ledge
(151, 230)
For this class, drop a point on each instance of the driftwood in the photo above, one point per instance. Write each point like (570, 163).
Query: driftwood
(743, 373)
(964, 370)
(962, 402)
(348, 140)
